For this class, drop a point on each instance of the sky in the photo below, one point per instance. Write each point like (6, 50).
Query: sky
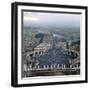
(50, 20)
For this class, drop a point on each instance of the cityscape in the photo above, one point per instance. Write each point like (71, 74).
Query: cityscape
(50, 44)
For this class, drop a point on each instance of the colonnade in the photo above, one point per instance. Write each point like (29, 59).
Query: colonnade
(47, 67)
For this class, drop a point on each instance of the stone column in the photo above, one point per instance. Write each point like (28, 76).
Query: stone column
(47, 67)
(30, 66)
(38, 67)
(44, 66)
(54, 65)
(70, 66)
(64, 66)
(58, 66)
(51, 66)
(24, 67)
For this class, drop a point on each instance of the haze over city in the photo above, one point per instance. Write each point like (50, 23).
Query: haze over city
(40, 19)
